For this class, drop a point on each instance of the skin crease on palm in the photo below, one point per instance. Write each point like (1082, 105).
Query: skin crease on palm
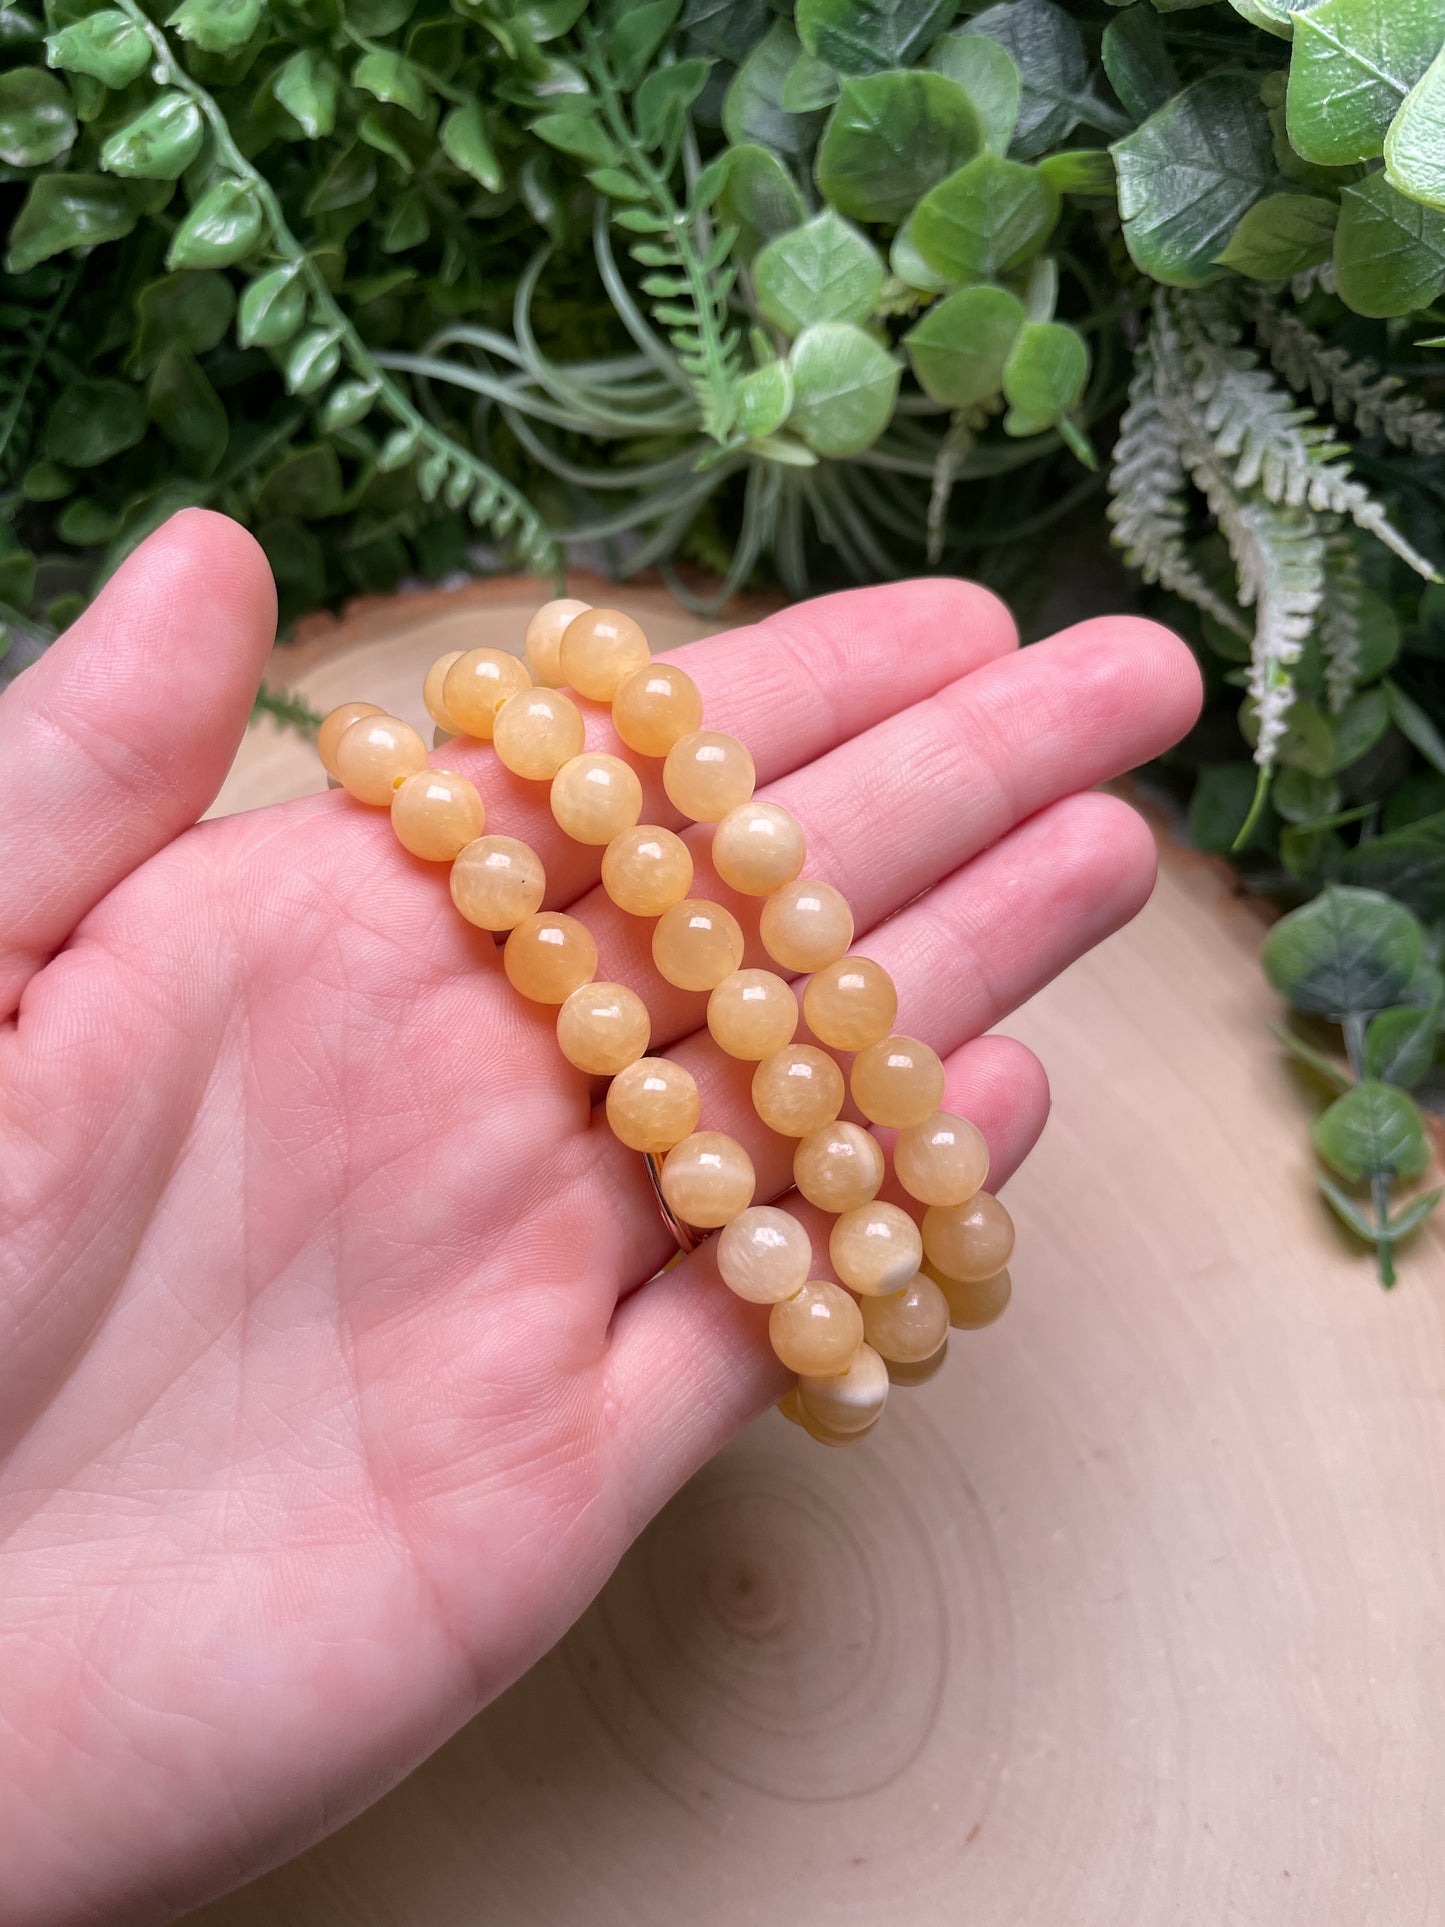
(332, 1382)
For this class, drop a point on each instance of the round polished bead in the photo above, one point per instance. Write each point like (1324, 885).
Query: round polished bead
(973, 1302)
(765, 1255)
(839, 1167)
(909, 1325)
(943, 1160)
(548, 956)
(497, 881)
(652, 1105)
(848, 1401)
(476, 686)
(542, 643)
(431, 692)
(334, 727)
(875, 1248)
(752, 1014)
(788, 1405)
(909, 1376)
(376, 753)
(655, 707)
(602, 1028)
(708, 774)
(850, 1004)
(825, 1434)
(708, 1179)
(970, 1241)
(757, 848)
(798, 1090)
(596, 797)
(537, 731)
(806, 924)
(817, 1331)
(600, 649)
(696, 944)
(436, 814)
(897, 1082)
(646, 870)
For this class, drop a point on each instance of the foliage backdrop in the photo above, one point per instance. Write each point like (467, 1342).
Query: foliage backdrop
(841, 288)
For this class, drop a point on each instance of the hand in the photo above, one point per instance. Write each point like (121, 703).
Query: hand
(332, 1382)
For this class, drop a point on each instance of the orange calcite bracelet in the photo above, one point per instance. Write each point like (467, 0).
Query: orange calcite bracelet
(899, 1284)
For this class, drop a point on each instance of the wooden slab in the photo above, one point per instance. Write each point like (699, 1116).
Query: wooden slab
(1134, 1617)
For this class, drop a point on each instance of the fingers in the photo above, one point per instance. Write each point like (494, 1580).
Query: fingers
(792, 688)
(973, 949)
(119, 737)
(889, 812)
(689, 1361)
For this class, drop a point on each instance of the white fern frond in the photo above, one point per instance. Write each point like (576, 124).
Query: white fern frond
(1353, 390)
(1342, 624)
(1147, 486)
(1283, 449)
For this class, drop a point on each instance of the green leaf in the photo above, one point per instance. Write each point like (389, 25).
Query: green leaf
(1417, 725)
(1408, 1220)
(220, 26)
(306, 483)
(1400, 1045)
(272, 308)
(1353, 63)
(909, 265)
(308, 87)
(1273, 15)
(864, 36)
(811, 83)
(1308, 742)
(1048, 54)
(348, 403)
(1302, 798)
(1350, 951)
(222, 228)
(1190, 173)
(1348, 1210)
(1045, 374)
(1080, 170)
(388, 77)
(1361, 725)
(990, 216)
(891, 137)
(186, 409)
(1389, 251)
(86, 523)
(1373, 1131)
(581, 136)
(46, 481)
(824, 271)
(191, 308)
(959, 348)
(1328, 1069)
(1415, 144)
(753, 110)
(467, 145)
(92, 421)
(765, 400)
(36, 122)
(1220, 806)
(1409, 864)
(758, 197)
(636, 37)
(107, 46)
(1281, 236)
(844, 388)
(64, 211)
(158, 145)
(311, 360)
(986, 72)
(1138, 63)
(664, 101)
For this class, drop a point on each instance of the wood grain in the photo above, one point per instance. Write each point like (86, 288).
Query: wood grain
(1133, 1617)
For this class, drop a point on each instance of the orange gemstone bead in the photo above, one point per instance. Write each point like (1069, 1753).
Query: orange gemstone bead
(944, 1160)
(432, 696)
(875, 1248)
(707, 1179)
(374, 754)
(335, 725)
(497, 882)
(646, 870)
(752, 1014)
(972, 1241)
(436, 814)
(765, 1255)
(655, 707)
(476, 686)
(806, 925)
(973, 1303)
(602, 1028)
(797, 1090)
(757, 848)
(817, 1331)
(897, 1082)
(848, 1402)
(850, 1004)
(909, 1325)
(542, 644)
(548, 956)
(595, 797)
(536, 732)
(838, 1167)
(708, 774)
(696, 944)
(652, 1105)
(599, 650)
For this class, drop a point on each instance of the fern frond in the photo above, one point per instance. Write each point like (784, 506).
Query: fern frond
(1147, 506)
(1283, 449)
(1355, 391)
(1341, 624)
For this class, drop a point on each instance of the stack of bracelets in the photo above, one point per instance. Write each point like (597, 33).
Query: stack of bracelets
(903, 1280)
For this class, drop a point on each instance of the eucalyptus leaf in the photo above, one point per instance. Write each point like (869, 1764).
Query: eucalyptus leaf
(1389, 250)
(865, 36)
(811, 83)
(765, 399)
(890, 138)
(1281, 236)
(1138, 63)
(1350, 951)
(1046, 371)
(844, 386)
(960, 347)
(753, 111)
(992, 215)
(1352, 65)
(1047, 50)
(1400, 1045)
(758, 197)
(986, 71)
(823, 271)
(1408, 863)
(1373, 1131)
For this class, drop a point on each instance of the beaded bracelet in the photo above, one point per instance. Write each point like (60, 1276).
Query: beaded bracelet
(901, 1283)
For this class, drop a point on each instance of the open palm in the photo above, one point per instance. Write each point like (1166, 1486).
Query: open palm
(332, 1382)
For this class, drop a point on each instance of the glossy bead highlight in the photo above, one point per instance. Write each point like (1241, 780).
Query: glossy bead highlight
(757, 848)
(707, 1179)
(333, 728)
(850, 1004)
(646, 870)
(897, 1082)
(543, 641)
(806, 924)
(548, 956)
(839, 1167)
(765, 1255)
(497, 881)
(599, 650)
(696, 944)
(944, 1160)
(707, 774)
(875, 1248)
(817, 1331)
(436, 814)
(374, 754)
(909, 1325)
(602, 1028)
(797, 1090)
(752, 1014)
(476, 686)
(536, 732)
(655, 707)
(652, 1105)
(596, 797)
